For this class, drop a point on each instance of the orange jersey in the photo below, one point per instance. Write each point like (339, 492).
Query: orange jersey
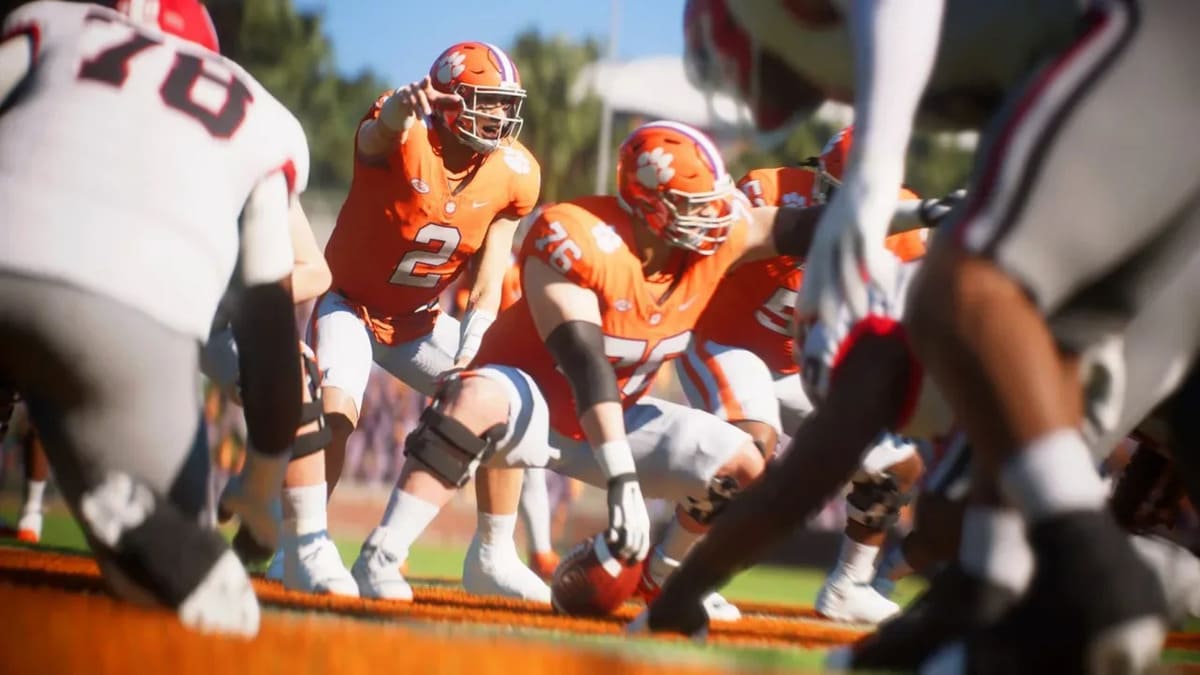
(591, 241)
(755, 306)
(403, 235)
(781, 186)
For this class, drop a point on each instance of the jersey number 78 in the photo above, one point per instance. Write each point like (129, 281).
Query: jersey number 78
(111, 66)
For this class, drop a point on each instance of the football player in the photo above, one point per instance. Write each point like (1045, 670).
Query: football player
(35, 467)
(613, 286)
(866, 381)
(1041, 265)
(439, 178)
(122, 195)
(741, 367)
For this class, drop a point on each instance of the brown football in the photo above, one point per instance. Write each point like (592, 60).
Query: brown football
(591, 581)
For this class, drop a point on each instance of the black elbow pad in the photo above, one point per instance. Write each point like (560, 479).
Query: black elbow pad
(793, 230)
(578, 348)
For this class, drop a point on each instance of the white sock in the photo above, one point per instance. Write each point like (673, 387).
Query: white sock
(535, 510)
(1053, 474)
(492, 566)
(406, 518)
(35, 491)
(496, 528)
(994, 547)
(856, 562)
(676, 543)
(304, 510)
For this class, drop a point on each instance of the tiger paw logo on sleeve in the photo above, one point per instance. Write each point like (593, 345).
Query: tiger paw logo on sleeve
(517, 161)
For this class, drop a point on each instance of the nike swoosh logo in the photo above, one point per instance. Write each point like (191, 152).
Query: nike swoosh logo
(684, 305)
(475, 204)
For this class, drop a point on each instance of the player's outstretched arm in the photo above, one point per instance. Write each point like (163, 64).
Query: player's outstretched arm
(310, 273)
(786, 230)
(568, 320)
(264, 323)
(483, 303)
(824, 453)
(895, 44)
(268, 352)
(377, 137)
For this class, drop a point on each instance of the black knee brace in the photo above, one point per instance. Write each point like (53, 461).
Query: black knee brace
(721, 489)
(448, 448)
(875, 501)
(152, 544)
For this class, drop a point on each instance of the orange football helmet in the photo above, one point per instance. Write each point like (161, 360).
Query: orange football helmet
(831, 165)
(490, 86)
(187, 19)
(672, 177)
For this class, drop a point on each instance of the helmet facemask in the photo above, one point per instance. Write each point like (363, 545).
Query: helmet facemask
(698, 221)
(490, 115)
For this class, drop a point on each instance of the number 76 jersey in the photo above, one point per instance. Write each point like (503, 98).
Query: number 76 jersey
(126, 158)
(591, 242)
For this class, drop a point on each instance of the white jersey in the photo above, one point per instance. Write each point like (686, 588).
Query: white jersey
(126, 160)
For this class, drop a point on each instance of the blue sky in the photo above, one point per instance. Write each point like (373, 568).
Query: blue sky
(399, 39)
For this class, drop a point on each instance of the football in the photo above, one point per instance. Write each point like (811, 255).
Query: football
(591, 581)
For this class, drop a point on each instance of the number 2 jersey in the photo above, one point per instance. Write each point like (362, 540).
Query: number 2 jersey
(591, 242)
(126, 158)
(755, 305)
(402, 235)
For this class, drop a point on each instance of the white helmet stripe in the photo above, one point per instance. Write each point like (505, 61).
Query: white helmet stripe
(706, 145)
(508, 72)
(142, 11)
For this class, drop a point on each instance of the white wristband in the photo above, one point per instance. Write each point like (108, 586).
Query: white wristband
(474, 325)
(616, 459)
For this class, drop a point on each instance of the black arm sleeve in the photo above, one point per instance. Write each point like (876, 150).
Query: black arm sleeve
(578, 348)
(794, 228)
(269, 360)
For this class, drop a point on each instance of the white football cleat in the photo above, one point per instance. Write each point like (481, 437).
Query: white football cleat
(498, 570)
(224, 602)
(29, 527)
(852, 602)
(312, 564)
(720, 609)
(377, 569)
